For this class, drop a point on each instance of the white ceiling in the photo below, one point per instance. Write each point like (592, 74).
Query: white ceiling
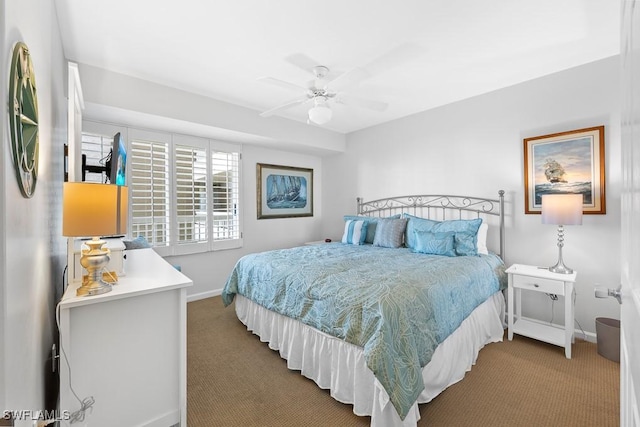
(420, 53)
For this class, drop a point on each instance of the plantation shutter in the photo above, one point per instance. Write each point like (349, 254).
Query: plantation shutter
(191, 193)
(225, 173)
(149, 187)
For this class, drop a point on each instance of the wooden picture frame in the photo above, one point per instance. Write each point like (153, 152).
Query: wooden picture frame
(284, 191)
(569, 162)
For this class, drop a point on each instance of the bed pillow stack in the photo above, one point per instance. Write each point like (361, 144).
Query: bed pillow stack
(428, 236)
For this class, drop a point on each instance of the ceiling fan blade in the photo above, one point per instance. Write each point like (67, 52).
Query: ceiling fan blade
(348, 79)
(283, 84)
(302, 61)
(362, 102)
(289, 104)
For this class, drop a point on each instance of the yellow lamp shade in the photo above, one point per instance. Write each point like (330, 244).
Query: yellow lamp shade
(91, 209)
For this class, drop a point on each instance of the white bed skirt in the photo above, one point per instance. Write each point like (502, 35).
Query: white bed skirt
(341, 367)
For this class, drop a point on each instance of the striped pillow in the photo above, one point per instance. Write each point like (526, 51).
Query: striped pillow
(390, 233)
(355, 232)
(371, 221)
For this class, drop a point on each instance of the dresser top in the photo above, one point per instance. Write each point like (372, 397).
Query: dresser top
(145, 272)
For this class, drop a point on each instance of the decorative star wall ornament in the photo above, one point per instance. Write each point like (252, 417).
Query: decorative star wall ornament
(23, 119)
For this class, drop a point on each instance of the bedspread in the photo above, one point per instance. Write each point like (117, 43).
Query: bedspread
(396, 304)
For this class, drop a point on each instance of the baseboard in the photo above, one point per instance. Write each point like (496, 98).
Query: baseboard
(588, 336)
(203, 295)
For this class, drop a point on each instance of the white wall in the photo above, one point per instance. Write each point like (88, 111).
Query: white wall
(475, 147)
(32, 256)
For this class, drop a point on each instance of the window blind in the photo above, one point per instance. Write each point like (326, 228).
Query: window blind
(226, 195)
(191, 194)
(149, 190)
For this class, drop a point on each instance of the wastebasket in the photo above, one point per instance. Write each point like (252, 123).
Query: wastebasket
(608, 336)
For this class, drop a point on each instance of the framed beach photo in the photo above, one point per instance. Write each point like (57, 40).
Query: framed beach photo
(284, 191)
(565, 163)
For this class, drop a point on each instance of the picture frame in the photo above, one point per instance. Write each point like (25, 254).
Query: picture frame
(284, 191)
(569, 162)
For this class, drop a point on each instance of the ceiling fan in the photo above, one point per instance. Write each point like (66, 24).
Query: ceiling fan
(323, 90)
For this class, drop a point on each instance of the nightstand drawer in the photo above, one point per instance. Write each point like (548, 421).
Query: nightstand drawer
(538, 284)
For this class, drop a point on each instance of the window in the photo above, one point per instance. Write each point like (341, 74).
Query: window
(149, 187)
(95, 152)
(184, 191)
(225, 173)
(191, 195)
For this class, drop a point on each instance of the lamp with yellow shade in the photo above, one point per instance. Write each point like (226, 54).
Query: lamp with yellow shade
(94, 210)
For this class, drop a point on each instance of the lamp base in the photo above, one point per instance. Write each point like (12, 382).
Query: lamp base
(94, 260)
(561, 269)
(93, 288)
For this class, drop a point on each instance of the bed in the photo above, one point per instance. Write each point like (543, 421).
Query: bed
(393, 314)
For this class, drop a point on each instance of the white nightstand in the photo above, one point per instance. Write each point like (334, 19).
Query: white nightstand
(317, 242)
(532, 278)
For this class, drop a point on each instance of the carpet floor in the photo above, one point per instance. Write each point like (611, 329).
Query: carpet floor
(233, 379)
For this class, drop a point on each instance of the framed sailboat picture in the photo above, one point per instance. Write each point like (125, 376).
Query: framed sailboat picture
(284, 191)
(565, 163)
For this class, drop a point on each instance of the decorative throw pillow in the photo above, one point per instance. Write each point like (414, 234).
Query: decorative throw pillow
(138, 243)
(466, 244)
(466, 231)
(372, 222)
(427, 242)
(354, 232)
(389, 232)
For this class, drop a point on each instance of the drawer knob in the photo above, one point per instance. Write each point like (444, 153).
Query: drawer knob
(536, 285)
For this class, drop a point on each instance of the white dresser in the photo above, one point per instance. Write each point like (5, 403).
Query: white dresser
(127, 348)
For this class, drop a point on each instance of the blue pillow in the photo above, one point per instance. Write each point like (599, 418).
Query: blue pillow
(427, 242)
(466, 243)
(466, 232)
(138, 243)
(372, 222)
(389, 232)
(354, 232)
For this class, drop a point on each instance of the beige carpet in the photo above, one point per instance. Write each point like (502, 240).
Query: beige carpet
(233, 379)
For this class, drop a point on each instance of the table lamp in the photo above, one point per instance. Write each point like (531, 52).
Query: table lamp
(94, 210)
(561, 210)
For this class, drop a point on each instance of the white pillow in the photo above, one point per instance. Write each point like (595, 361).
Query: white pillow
(482, 238)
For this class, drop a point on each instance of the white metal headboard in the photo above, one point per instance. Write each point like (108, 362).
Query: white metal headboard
(439, 207)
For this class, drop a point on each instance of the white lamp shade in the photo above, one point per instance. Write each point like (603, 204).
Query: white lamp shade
(562, 209)
(91, 209)
(320, 114)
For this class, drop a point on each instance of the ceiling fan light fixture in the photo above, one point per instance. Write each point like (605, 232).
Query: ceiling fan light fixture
(320, 113)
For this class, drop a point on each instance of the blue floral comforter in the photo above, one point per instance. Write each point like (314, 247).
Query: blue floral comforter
(397, 305)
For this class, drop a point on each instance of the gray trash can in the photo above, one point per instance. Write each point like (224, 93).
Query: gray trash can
(608, 336)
